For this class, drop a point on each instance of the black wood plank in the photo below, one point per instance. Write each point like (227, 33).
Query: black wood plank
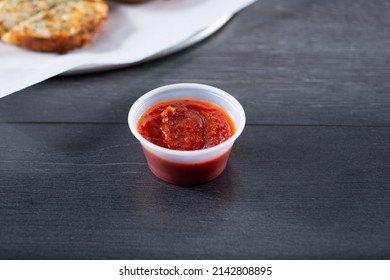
(288, 62)
(289, 192)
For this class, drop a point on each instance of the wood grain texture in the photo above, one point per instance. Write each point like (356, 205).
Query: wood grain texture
(296, 62)
(84, 191)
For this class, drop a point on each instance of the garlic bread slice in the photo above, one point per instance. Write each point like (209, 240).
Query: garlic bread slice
(66, 26)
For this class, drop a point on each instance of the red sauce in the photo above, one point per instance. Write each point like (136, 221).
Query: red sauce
(186, 174)
(185, 124)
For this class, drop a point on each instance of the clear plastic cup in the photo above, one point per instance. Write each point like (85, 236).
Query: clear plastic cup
(187, 167)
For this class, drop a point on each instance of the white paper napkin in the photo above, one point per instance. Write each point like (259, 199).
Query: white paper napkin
(131, 33)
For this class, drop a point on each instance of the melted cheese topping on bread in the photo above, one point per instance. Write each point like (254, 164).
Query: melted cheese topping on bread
(57, 25)
(13, 12)
(66, 19)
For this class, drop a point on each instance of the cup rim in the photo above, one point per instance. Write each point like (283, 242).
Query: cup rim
(150, 94)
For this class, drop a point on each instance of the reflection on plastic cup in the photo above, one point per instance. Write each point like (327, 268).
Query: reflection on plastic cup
(187, 167)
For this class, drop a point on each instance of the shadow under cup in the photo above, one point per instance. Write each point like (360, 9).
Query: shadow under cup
(187, 167)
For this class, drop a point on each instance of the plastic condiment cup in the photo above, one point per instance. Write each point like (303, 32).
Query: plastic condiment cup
(187, 167)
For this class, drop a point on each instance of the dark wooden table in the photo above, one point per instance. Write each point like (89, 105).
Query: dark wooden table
(308, 179)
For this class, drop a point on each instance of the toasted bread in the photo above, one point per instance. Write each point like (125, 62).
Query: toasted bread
(63, 27)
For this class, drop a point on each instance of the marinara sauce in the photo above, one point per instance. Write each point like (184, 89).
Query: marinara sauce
(186, 125)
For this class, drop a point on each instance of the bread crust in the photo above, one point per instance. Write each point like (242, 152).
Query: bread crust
(59, 44)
